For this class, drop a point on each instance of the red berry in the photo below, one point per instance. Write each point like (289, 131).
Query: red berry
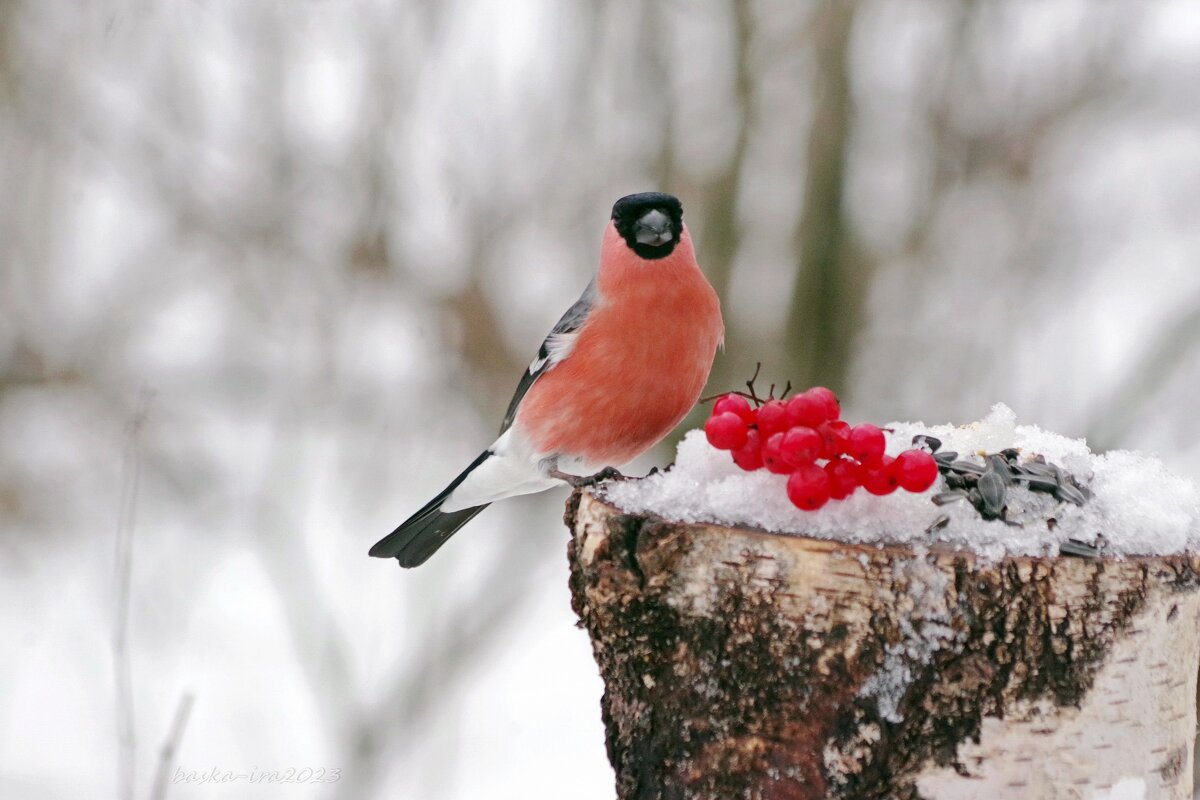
(749, 456)
(772, 455)
(806, 410)
(772, 417)
(735, 404)
(835, 438)
(726, 431)
(877, 477)
(833, 409)
(915, 470)
(866, 443)
(800, 446)
(808, 487)
(843, 477)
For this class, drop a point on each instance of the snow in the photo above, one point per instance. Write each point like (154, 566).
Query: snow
(1138, 507)
(926, 630)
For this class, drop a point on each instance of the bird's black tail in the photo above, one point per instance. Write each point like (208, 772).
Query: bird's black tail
(419, 536)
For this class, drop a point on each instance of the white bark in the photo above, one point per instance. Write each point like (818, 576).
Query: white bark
(1135, 727)
(741, 663)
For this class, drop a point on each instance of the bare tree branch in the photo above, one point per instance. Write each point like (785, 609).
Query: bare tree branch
(830, 288)
(1123, 407)
(123, 582)
(170, 746)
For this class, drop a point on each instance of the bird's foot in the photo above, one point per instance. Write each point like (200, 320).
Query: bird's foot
(583, 481)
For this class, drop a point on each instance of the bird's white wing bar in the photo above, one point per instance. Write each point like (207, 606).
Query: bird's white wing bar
(554, 349)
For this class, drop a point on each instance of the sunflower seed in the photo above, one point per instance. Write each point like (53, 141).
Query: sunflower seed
(932, 442)
(1038, 483)
(999, 465)
(942, 521)
(991, 494)
(945, 458)
(1070, 494)
(1038, 468)
(942, 498)
(1074, 547)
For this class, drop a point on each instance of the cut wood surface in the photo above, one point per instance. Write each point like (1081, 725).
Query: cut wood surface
(744, 664)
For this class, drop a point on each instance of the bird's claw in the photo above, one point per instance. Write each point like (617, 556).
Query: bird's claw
(584, 481)
(606, 474)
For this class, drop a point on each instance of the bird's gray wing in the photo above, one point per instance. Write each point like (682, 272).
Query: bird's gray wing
(554, 349)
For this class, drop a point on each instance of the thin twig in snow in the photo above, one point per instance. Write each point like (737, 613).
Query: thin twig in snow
(170, 747)
(123, 572)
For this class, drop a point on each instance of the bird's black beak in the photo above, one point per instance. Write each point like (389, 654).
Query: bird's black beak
(654, 229)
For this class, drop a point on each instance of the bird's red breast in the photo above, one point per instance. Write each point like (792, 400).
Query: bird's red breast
(639, 363)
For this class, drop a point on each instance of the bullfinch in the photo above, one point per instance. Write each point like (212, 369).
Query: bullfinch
(617, 373)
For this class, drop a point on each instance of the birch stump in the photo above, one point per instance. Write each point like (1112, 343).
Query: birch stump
(742, 664)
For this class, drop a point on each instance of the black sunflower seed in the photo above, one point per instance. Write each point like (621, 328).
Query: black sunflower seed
(1074, 547)
(942, 521)
(942, 498)
(991, 492)
(999, 465)
(1038, 468)
(1038, 483)
(931, 442)
(945, 458)
(1070, 494)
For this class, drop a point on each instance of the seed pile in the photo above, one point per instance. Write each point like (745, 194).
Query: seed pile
(986, 486)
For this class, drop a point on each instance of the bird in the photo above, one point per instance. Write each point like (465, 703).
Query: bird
(621, 368)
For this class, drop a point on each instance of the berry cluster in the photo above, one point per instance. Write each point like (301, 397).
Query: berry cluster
(791, 436)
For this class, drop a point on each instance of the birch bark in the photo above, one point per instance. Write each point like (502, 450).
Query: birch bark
(744, 664)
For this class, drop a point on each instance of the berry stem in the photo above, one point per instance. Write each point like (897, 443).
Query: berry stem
(711, 398)
(752, 391)
(750, 383)
(754, 395)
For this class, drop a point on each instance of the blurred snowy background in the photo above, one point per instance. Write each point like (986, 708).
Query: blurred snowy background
(269, 271)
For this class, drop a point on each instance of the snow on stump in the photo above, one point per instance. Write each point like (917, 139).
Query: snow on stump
(881, 656)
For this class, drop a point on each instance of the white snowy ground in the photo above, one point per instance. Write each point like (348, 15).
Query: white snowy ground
(1138, 505)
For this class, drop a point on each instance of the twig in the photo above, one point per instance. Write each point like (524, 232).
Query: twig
(170, 746)
(752, 394)
(123, 579)
(712, 397)
(750, 383)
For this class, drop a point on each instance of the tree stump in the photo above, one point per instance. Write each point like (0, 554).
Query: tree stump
(743, 664)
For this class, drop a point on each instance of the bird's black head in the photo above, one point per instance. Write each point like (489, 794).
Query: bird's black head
(650, 223)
